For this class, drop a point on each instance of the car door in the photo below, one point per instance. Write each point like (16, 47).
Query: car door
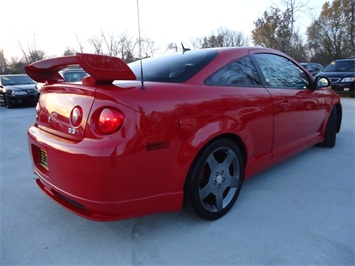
(251, 105)
(298, 110)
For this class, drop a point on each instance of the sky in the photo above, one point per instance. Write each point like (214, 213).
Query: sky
(53, 26)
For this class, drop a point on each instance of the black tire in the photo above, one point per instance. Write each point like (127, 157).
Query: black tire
(330, 131)
(2, 99)
(7, 102)
(215, 179)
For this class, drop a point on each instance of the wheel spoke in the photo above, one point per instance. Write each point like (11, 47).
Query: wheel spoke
(204, 192)
(232, 181)
(212, 162)
(219, 201)
(229, 159)
(219, 178)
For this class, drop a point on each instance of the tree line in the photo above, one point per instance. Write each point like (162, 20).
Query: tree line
(329, 36)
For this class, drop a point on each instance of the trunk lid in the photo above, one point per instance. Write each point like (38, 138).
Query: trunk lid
(56, 106)
(63, 108)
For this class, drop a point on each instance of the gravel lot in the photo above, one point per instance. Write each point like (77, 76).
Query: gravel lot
(300, 212)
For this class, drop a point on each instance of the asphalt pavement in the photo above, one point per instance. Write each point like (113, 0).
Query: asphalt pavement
(300, 212)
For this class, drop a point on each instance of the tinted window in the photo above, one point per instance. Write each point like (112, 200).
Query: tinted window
(238, 73)
(177, 67)
(281, 72)
(16, 80)
(341, 66)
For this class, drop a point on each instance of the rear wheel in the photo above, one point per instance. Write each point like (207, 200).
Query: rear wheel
(215, 179)
(330, 131)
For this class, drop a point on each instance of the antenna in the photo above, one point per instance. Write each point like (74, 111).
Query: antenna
(184, 49)
(140, 46)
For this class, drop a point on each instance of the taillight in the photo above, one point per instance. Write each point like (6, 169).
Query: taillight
(110, 120)
(76, 116)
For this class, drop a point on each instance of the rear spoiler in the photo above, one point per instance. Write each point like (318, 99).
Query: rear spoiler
(102, 69)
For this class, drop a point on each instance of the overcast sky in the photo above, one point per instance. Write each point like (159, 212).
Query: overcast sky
(52, 26)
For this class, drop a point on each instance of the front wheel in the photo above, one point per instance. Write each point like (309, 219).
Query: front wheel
(215, 179)
(330, 131)
(7, 102)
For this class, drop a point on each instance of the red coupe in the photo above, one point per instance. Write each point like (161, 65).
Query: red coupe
(131, 140)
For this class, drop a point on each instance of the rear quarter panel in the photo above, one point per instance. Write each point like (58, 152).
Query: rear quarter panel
(189, 116)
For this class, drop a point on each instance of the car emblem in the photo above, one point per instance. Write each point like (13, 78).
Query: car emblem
(71, 131)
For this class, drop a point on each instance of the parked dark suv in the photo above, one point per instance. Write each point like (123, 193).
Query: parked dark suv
(341, 73)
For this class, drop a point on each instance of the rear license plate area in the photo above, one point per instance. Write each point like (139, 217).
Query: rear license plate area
(43, 159)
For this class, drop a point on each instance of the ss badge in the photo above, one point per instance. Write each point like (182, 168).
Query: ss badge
(71, 131)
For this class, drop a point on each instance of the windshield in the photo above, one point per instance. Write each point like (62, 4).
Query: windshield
(16, 80)
(178, 67)
(341, 66)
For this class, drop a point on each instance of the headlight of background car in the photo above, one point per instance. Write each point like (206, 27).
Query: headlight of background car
(18, 93)
(347, 79)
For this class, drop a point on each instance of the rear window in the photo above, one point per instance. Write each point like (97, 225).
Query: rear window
(177, 67)
(341, 66)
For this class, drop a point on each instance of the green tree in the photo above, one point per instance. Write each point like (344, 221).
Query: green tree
(273, 30)
(276, 29)
(331, 36)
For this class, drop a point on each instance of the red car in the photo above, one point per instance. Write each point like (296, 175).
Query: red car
(136, 139)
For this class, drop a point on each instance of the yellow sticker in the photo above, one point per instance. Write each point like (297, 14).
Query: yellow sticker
(5, 78)
(333, 63)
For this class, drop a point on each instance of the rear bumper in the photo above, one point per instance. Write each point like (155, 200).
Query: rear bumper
(111, 211)
(99, 181)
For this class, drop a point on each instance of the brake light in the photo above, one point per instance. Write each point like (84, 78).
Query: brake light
(110, 120)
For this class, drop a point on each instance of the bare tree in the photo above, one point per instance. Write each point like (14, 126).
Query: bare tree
(122, 45)
(294, 7)
(32, 54)
(125, 47)
(224, 37)
(147, 46)
(3, 62)
(69, 51)
(111, 43)
(81, 47)
(96, 42)
(172, 46)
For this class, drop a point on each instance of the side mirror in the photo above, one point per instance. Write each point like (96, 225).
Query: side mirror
(322, 82)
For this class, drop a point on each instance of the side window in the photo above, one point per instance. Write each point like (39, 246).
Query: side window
(280, 72)
(238, 73)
